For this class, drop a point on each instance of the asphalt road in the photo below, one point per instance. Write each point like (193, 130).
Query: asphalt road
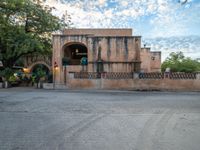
(32, 119)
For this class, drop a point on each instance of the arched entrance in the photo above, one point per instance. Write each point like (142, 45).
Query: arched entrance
(41, 69)
(44, 68)
(41, 64)
(74, 52)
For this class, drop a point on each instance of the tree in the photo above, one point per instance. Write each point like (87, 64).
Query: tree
(25, 28)
(177, 62)
(6, 73)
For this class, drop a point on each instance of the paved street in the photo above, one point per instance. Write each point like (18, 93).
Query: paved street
(32, 119)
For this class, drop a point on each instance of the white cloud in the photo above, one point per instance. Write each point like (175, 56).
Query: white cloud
(122, 11)
(163, 18)
(151, 8)
(164, 11)
(102, 2)
(189, 45)
(124, 3)
(169, 21)
(108, 13)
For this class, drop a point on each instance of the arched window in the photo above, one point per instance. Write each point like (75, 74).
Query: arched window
(74, 53)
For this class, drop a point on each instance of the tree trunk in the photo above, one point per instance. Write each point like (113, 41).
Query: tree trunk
(6, 84)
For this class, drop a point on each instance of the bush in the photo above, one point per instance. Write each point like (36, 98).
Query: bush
(13, 80)
(40, 73)
(6, 73)
(177, 62)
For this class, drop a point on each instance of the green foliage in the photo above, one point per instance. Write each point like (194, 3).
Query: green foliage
(177, 62)
(12, 78)
(6, 73)
(25, 28)
(40, 73)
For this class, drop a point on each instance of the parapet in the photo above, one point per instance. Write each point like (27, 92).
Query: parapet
(156, 53)
(99, 32)
(145, 49)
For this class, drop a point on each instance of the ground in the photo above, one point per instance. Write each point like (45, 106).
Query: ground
(32, 119)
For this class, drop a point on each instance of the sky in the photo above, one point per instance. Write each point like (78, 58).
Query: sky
(165, 25)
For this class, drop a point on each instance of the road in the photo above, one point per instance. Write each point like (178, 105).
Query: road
(32, 119)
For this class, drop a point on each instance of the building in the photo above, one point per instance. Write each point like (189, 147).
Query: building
(150, 60)
(106, 50)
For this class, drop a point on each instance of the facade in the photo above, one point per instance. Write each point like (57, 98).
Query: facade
(31, 61)
(150, 60)
(106, 50)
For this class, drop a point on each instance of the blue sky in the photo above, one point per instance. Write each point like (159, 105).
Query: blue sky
(166, 25)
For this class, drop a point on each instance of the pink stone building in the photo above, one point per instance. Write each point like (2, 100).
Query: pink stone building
(106, 50)
(150, 60)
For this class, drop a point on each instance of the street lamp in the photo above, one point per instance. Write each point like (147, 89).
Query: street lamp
(26, 70)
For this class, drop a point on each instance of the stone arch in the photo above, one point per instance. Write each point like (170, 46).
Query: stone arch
(38, 63)
(75, 51)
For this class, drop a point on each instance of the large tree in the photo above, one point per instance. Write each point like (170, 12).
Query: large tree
(177, 62)
(25, 28)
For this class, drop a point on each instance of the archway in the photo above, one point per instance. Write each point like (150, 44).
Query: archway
(42, 69)
(74, 52)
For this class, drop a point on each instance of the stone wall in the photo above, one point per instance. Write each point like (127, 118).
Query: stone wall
(117, 53)
(136, 84)
(155, 61)
(151, 60)
(190, 83)
(145, 57)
